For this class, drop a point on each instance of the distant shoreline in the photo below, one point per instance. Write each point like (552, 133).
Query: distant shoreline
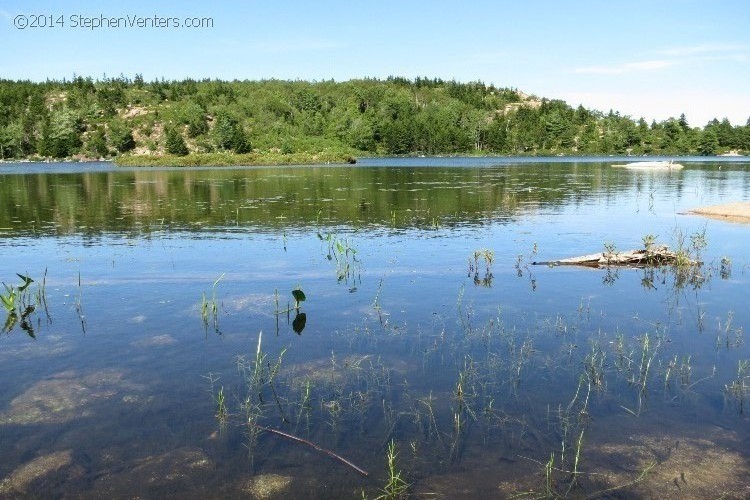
(277, 159)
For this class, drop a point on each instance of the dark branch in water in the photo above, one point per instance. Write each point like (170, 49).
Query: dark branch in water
(313, 445)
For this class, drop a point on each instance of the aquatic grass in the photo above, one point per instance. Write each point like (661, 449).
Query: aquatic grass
(396, 486)
(20, 303)
(726, 268)
(488, 258)
(221, 407)
(304, 404)
(343, 252)
(222, 159)
(211, 307)
(739, 389)
(221, 412)
(727, 335)
(79, 305)
(478, 362)
(376, 300)
(41, 296)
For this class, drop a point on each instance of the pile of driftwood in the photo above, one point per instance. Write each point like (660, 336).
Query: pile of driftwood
(646, 257)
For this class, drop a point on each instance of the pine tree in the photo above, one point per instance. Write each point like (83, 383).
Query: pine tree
(709, 143)
(175, 144)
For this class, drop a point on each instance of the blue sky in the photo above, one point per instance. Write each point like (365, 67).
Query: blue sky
(655, 59)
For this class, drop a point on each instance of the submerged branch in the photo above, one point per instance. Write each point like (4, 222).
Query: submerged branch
(315, 446)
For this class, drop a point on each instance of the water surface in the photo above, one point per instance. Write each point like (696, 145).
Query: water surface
(491, 377)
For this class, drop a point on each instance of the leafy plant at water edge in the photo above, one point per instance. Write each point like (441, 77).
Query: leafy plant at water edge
(17, 304)
(300, 318)
(299, 296)
(9, 299)
(345, 255)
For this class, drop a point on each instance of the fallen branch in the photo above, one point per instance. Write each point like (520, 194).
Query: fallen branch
(315, 446)
(657, 256)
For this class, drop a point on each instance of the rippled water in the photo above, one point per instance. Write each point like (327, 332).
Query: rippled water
(425, 325)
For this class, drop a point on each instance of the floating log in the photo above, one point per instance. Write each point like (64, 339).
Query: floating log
(656, 256)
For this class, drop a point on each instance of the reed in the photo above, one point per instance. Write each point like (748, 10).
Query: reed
(396, 486)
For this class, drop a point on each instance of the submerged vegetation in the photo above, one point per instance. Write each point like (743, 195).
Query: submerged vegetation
(214, 122)
(485, 391)
(20, 304)
(210, 308)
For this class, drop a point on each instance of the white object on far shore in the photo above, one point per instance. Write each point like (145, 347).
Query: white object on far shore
(651, 165)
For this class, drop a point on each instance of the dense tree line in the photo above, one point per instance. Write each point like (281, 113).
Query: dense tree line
(110, 116)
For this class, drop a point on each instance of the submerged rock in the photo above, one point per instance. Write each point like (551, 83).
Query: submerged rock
(155, 476)
(20, 479)
(267, 485)
(64, 397)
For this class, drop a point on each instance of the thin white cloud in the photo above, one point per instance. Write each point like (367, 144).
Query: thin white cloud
(5, 14)
(630, 67)
(703, 49)
(674, 56)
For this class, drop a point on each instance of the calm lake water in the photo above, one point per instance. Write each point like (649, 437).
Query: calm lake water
(141, 371)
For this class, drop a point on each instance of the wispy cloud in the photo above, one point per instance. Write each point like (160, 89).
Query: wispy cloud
(5, 14)
(629, 67)
(673, 56)
(705, 49)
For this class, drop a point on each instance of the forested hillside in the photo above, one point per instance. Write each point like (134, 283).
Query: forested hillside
(86, 118)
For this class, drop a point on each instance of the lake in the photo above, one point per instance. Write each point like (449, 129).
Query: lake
(160, 350)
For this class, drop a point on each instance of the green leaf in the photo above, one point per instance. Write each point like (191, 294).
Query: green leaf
(299, 295)
(299, 323)
(9, 302)
(10, 321)
(26, 282)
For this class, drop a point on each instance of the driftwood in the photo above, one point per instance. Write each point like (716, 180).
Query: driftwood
(656, 256)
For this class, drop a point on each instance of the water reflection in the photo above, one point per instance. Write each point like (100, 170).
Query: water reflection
(144, 201)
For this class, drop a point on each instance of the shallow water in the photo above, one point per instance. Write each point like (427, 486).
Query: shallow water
(492, 378)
